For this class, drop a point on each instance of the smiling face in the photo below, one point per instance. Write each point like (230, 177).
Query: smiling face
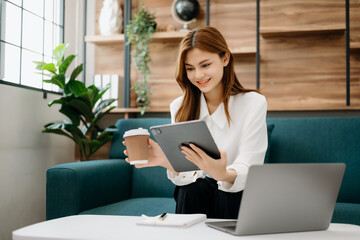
(205, 70)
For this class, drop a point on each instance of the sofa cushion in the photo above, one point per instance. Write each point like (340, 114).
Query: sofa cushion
(320, 140)
(150, 182)
(346, 213)
(270, 128)
(136, 207)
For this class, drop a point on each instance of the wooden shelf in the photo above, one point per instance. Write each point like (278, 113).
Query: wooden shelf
(158, 37)
(273, 32)
(244, 51)
(355, 46)
(169, 36)
(103, 40)
(128, 111)
(119, 38)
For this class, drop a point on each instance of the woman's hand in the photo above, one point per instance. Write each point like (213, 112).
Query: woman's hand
(156, 157)
(216, 168)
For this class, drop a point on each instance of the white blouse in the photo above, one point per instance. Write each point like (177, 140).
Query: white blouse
(244, 141)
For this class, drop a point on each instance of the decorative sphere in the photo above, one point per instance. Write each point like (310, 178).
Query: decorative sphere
(187, 9)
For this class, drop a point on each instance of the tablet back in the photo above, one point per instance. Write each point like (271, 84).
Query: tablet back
(171, 137)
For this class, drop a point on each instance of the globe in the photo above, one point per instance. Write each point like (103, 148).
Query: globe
(187, 10)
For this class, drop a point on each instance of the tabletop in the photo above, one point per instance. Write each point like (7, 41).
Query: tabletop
(91, 227)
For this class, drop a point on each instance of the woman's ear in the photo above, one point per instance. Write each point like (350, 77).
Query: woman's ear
(226, 59)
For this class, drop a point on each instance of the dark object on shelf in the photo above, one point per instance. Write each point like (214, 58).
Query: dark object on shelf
(187, 10)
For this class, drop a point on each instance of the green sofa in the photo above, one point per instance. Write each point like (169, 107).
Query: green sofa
(113, 187)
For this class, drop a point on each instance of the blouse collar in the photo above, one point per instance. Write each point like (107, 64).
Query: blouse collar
(219, 116)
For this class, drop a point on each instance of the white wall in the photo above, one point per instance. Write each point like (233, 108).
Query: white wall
(25, 152)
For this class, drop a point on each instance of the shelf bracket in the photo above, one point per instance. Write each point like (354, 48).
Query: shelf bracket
(347, 54)
(126, 86)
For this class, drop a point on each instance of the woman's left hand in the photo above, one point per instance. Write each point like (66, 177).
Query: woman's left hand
(216, 168)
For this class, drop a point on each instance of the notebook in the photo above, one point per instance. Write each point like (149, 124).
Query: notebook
(281, 198)
(173, 220)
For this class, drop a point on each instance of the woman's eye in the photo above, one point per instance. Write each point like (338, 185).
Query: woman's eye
(189, 69)
(206, 65)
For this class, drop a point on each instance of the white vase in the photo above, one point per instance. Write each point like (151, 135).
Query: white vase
(110, 20)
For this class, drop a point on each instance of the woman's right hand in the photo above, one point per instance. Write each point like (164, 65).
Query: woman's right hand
(156, 157)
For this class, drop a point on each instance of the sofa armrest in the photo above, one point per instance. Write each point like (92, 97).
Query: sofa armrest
(75, 187)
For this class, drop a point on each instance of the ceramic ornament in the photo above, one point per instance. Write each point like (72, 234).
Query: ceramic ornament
(110, 20)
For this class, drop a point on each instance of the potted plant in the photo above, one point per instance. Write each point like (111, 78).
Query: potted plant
(79, 103)
(139, 32)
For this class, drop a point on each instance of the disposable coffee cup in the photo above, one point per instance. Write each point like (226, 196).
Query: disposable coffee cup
(137, 145)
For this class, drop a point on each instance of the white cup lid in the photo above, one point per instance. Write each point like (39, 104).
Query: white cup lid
(135, 132)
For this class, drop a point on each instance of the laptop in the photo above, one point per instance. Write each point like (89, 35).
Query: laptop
(280, 198)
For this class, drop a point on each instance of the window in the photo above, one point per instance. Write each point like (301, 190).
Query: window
(30, 30)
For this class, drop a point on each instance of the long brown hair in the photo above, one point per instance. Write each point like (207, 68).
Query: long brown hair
(211, 40)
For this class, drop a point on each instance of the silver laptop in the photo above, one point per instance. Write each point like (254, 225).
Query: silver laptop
(281, 198)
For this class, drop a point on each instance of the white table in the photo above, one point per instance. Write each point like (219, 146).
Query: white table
(80, 227)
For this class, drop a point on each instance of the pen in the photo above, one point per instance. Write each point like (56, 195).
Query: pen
(162, 216)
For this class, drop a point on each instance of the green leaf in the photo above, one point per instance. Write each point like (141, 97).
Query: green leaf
(82, 107)
(72, 114)
(76, 72)
(59, 52)
(57, 127)
(93, 92)
(102, 91)
(57, 101)
(57, 131)
(65, 64)
(58, 79)
(39, 65)
(77, 88)
(50, 75)
(103, 104)
(78, 136)
(86, 144)
(94, 145)
(49, 67)
(58, 124)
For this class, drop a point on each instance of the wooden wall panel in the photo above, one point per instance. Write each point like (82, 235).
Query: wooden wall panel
(245, 69)
(303, 72)
(109, 59)
(289, 14)
(306, 72)
(236, 20)
(355, 53)
(355, 21)
(355, 79)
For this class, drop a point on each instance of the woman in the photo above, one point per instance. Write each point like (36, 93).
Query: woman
(235, 116)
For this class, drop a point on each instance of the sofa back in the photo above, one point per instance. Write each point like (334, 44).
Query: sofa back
(145, 182)
(320, 140)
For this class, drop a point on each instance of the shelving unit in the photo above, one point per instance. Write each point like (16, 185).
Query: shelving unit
(128, 111)
(271, 32)
(301, 47)
(159, 37)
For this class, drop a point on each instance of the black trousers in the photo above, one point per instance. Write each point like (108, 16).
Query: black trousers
(203, 196)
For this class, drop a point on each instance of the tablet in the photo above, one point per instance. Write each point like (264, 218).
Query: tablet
(171, 137)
